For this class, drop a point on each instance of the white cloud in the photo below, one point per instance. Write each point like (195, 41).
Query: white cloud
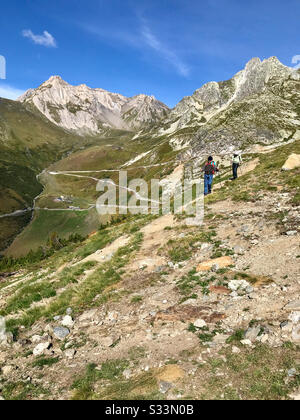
(47, 40)
(166, 53)
(9, 92)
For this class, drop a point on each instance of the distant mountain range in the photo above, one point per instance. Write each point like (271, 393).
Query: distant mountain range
(86, 110)
(259, 104)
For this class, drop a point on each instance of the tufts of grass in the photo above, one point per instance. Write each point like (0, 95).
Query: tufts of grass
(42, 362)
(84, 385)
(236, 337)
(136, 299)
(21, 391)
(83, 296)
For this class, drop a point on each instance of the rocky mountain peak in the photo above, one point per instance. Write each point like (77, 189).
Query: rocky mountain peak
(215, 97)
(88, 110)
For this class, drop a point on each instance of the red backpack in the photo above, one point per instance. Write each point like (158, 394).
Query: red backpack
(210, 168)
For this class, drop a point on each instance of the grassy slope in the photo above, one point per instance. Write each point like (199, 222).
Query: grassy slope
(265, 177)
(29, 143)
(110, 153)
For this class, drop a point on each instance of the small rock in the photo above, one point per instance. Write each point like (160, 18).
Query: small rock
(164, 387)
(294, 317)
(107, 341)
(127, 373)
(293, 306)
(7, 370)
(67, 322)
(296, 334)
(220, 339)
(206, 246)
(264, 338)
(215, 268)
(70, 353)
(35, 339)
(292, 372)
(200, 323)
(252, 333)
(235, 285)
(160, 268)
(244, 228)
(291, 232)
(235, 350)
(61, 333)
(246, 342)
(112, 316)
(295, 396)
(69, 311)
(286, 326)
(68, 345)
(41, 348)
(239, 250)
(88, 316)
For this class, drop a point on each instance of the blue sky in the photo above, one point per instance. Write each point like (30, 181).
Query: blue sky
(166, 48)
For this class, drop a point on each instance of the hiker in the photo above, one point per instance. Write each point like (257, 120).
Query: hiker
(236, 162)
(209, 169)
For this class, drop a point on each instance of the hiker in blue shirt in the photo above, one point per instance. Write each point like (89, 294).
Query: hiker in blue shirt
(209, 169)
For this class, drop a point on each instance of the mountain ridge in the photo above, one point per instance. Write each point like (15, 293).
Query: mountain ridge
(84, 109)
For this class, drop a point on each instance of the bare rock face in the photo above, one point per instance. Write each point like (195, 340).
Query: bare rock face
(87, 110)
(258, 105)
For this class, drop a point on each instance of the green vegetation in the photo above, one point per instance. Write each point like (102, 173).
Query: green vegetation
(79, 298)
(43, 361)
(187, 283)
(107, 383)
(19, 391)
(182, 249)
(136, 299)
(53, 244)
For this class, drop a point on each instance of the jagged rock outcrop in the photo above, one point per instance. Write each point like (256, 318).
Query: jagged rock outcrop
(260, 104)
(87, 110)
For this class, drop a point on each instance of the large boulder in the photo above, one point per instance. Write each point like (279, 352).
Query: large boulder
(293, 162)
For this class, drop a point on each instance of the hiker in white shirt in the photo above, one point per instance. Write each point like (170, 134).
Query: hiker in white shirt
(236, 162)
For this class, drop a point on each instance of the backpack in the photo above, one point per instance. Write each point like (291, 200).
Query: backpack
(210, 168)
